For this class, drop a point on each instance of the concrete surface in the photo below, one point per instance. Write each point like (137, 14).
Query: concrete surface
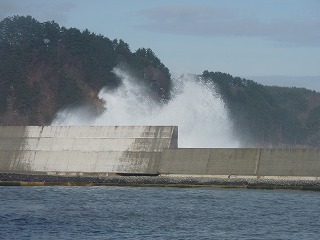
(74, 150)
(242, 161)
(125, 149)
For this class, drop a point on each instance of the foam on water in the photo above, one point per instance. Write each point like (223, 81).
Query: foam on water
(195, 108)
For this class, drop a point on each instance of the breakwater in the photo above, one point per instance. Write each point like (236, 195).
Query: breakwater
(258, 162)
(137, 154)
(64, 149)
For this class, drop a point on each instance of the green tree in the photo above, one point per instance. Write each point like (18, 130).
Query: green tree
(68, 91)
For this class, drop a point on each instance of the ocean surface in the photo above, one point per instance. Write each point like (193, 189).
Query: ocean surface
(157, 213)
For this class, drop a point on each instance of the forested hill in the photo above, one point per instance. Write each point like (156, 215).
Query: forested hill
(45, 67)
(269, 116)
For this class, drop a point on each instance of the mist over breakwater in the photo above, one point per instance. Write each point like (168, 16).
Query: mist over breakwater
(195, 107)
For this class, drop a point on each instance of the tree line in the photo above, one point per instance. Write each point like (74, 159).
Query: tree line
(45, 67)
(43, 60)
(269, 115)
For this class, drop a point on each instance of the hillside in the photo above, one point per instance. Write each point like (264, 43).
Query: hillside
(45, 67)
(269, 116)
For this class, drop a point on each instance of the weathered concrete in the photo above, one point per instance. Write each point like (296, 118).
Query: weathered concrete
(103, 151)
(289, 162)
(219, 161)
(244, 162)
(184, 161)
(134, 149)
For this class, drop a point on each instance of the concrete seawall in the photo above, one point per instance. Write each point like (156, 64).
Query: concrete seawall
(65, 149)
(141, 150)
(242, 161)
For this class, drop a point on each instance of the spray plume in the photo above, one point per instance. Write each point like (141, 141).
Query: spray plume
(195, 108)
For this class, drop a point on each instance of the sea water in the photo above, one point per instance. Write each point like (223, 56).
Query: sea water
(157, 213)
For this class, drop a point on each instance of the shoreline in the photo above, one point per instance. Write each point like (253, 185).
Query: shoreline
(19, 179)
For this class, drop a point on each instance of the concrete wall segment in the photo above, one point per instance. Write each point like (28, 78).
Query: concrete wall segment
(242, 161)
(232, 161)
(289, 162)
(184, 161)
(140, 149)
(81, 148)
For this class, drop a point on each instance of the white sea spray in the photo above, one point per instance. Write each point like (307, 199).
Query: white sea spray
(195, 107)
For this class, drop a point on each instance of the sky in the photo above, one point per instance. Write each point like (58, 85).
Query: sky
(275, 42)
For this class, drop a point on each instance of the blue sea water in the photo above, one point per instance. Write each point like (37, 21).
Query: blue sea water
(157, 213)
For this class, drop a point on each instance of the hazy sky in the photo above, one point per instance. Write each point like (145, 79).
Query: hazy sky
(243, 38)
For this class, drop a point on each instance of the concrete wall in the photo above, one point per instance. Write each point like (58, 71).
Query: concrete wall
(289, 162)
(135, 149)
(140, 149)
(242, 161)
